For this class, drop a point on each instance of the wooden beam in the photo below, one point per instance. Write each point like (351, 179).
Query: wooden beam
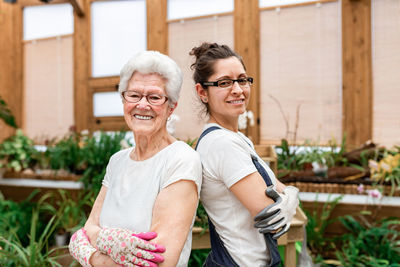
(296, 4)
(357, 71)
(78, 7)
(82, 71)
(247, 44)
(102, 82)
(11, 74)
(25, 3)
(157, 27)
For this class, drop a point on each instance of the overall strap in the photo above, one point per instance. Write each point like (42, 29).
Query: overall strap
(219, 255)
(261, 170)
(206, 131)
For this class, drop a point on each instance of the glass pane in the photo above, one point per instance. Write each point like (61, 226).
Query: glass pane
(118, 32)
(47, 21)
(178, 9)
(107, 104)
(268, 3)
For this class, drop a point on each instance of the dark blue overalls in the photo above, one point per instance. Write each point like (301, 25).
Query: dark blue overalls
(219, 255)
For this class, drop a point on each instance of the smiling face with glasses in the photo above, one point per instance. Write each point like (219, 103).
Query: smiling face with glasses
(146, 108)
(226, 92)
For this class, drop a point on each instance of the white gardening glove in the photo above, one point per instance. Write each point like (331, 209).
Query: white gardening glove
(129, 248)
(280, 214)
(80, 247)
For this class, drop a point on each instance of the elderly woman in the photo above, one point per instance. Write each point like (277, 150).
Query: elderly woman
(145, 209)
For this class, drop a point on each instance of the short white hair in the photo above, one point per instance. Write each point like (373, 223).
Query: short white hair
(147, 62)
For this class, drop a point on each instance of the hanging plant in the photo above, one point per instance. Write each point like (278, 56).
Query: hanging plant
(6, 115)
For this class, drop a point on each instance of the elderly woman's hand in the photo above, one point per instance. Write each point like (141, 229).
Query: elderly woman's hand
(80, 247)
(128, 247)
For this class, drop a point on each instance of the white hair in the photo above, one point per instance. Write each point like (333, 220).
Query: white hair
(147, 62)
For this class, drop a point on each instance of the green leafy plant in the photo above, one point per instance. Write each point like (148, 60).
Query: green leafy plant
(73, 211)
(6, 115)
(96, 152)
(317, 241)
(67, 154)
(287, 158)
(367, 244)
(16, 152)
(198, 257)
(15, 217)
(36, 253)
(201, 218)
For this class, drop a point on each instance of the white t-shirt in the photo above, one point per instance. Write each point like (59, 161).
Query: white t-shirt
(226, 159)
(133, 186)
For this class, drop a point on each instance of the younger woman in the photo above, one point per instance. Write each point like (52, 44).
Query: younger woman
(234, 176)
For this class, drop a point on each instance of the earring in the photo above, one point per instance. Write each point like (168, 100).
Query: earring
(205, 99)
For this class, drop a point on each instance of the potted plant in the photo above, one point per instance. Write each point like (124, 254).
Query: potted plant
(16, 152)
(72, 212)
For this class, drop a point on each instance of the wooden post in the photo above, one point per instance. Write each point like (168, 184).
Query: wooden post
(157, 27)
(82, 68)
(247, 44)
(11, 74)
(357, 71)
(78, 7)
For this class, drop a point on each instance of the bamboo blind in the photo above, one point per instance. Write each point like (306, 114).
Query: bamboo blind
(386, 71)
(183, 36)
(48, 88)
(301, 70)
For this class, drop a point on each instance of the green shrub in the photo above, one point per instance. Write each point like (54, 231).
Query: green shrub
(6, 115)
(370, 244)
(36, 253)
(96, 153)
(66, 154)
(317, 241)
(17, 152)
(15, 217)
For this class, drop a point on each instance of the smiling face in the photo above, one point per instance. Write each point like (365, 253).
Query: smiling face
(226, 104)
(141, 117)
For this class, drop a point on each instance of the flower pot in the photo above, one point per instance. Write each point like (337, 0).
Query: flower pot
(61, 239)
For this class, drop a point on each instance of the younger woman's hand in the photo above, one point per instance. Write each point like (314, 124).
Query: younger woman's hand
(276, 218)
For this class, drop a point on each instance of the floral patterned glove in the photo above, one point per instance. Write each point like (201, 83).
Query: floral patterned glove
(129, 248)
(80, 247)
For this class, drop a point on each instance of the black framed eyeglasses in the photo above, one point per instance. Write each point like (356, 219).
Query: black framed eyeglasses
(153, 99)
(226, 83)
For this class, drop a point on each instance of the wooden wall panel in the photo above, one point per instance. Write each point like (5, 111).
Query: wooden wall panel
(11, 63)
(82, 69)
(247, 44)
(357, 71)
(157, 27)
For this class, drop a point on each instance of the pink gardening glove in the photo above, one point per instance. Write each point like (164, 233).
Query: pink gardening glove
(129, 248)
(80, 247)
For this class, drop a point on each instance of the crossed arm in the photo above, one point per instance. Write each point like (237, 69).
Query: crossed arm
(251, 192)
(270, 216)
(173, 213)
